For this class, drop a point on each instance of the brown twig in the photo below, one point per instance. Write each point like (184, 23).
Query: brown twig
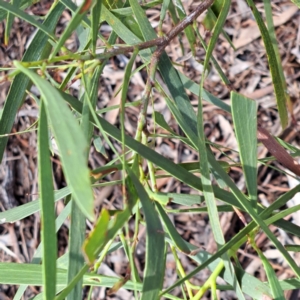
(161, 44)
(183, 24)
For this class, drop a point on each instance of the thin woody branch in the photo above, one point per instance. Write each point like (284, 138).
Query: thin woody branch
(162, 43)
(188, 20)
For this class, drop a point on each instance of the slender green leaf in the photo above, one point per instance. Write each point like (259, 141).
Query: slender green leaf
(245, 204)
(214, 61)
(71, 143)
(20, 212)
(204, 161)
(273, 64)
(244, 113)
(242, 235)
(216, 32)
(276, 289)
(47, 208)
(189, 32)
(176, 170)
(23, 5)
(194, 88)
(9, 21)
(38, 49)
(38, 253)
(173, 233)
(72, 25)
(296, 2)
(95, 20)
(14, 10)
(93, 249)
(126, 83)
(293, 248)
(211, 17)
(142, 21)
(160, 120)
(78, 220)
(155, 244)
(163, 12)
(99, 145)
(272, 34)
(95, 243)
(183, 199)
(76, 239)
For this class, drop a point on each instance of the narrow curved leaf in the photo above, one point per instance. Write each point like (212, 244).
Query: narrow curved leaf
(14, 10)
(47, 208)
(25, 210)
(244, 113)
(70, 140)
(155, 244)
(273, 64)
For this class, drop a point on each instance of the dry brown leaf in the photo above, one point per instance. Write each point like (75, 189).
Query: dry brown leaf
(249, 34)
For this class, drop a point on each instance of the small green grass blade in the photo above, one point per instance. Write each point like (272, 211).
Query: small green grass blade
(247, 207)
(216, 32)
(23, 5)
(95, 243)
(162, 15)
(20, 212)
(296, 2)
(242, 235)
(204, 161)
(211, 18)
(78, 220)
(293, 248)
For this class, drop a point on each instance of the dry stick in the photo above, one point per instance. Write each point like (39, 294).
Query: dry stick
(162, 42)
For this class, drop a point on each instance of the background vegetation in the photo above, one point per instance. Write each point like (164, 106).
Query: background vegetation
(70, 126)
